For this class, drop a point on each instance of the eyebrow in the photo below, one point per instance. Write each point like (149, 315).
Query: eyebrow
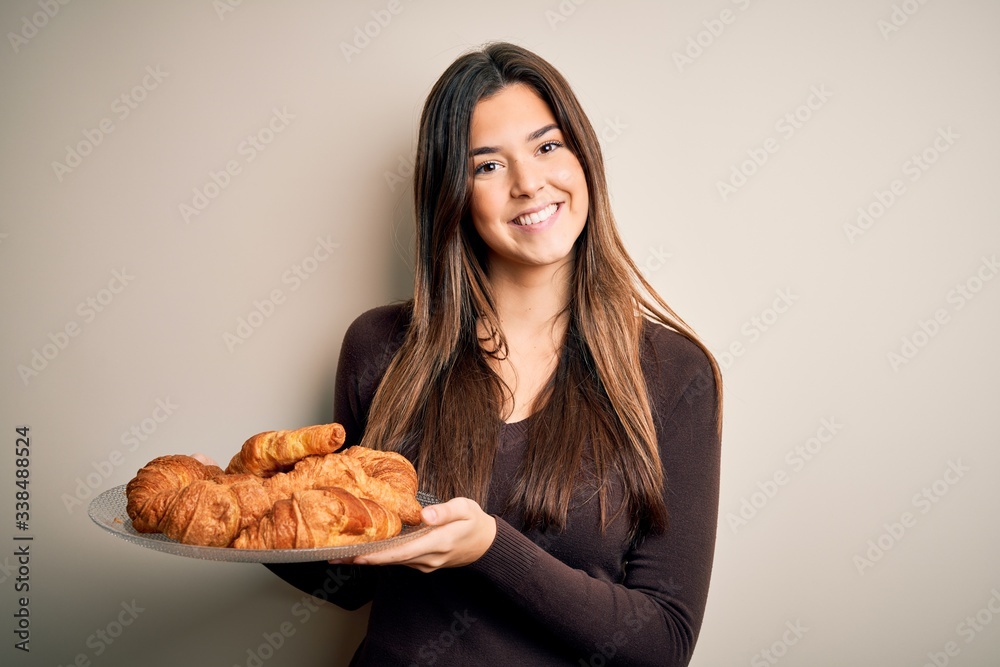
(537, 134)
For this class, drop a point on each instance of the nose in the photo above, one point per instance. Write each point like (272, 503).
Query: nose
(526, 178)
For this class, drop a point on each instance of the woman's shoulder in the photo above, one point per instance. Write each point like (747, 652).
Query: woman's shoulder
(375, 335)
(662, 344)
(380, 320)
(673, 362)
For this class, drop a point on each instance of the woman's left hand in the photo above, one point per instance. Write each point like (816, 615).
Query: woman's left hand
(462, 533)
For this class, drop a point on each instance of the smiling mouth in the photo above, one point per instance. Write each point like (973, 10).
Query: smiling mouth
(534, 218)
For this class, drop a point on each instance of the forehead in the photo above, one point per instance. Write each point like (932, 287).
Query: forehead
(512, 113)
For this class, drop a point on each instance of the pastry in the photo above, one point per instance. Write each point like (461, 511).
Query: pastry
(324, 517)
(362, 494)
(271, 452)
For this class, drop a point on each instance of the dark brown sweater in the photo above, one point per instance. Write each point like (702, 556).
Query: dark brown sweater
(576, 597)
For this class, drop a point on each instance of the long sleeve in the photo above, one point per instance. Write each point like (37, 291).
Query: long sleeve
(577, 596)
(653, 614)
(364, 357)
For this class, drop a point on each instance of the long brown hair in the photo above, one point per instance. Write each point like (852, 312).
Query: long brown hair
(440, 401)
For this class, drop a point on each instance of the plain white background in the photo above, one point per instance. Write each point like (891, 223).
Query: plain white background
(810, 184)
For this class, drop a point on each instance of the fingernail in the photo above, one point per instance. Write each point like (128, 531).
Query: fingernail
(430, 514)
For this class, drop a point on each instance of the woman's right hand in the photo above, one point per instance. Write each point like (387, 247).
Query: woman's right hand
(462, 533)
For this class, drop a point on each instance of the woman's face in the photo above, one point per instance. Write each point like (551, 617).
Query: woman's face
(529, 193)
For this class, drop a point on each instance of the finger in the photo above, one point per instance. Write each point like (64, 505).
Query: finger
(204, 459)
(342, 561)
(453, 510)
(401, 554)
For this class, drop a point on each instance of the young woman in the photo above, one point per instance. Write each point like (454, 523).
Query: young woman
(569, 418)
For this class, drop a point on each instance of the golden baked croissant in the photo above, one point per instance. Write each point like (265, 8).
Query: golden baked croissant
(164, 473)
(392, 468)
(275, 451)
(194, 503)
(347, 471)
(198, 504)
(324, 517)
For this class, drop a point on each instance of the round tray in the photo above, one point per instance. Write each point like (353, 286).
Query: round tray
(108, 511)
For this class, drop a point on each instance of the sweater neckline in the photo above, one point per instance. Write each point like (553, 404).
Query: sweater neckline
(516, 428)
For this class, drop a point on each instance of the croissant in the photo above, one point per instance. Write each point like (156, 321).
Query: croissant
(392, 468)
(198, 504)
(391, 482)
(324, 517)
(274, 451)
(145, 505)
(194, 503)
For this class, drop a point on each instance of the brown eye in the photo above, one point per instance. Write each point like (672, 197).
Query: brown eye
(549, 146)
(486, 168)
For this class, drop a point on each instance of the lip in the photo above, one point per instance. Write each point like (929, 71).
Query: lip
(541, 226)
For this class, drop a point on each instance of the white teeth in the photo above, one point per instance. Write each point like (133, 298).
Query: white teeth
(535, 218)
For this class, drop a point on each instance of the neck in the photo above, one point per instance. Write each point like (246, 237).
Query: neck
(529, 299)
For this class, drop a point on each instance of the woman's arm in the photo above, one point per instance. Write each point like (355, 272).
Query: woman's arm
(368, 346)
(654, 614)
